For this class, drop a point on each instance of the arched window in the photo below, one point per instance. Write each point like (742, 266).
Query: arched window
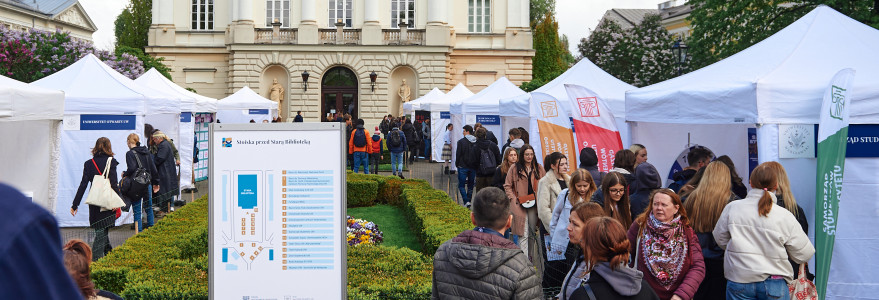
(339, 92)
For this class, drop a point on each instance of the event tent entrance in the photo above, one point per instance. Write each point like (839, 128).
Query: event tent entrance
(483, 107)
(245, 105)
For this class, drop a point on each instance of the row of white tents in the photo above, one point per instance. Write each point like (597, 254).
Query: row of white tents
(50, 126)
(778, 81)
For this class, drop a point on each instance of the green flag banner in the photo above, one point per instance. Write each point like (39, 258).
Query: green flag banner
(832, 134)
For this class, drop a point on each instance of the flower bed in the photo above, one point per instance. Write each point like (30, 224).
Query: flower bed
(363, 232)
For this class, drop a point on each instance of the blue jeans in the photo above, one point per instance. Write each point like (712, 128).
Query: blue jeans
(397, 162)
(466, 180)
(769, 289)
(361, 158)
(427, 149)
(138, 206)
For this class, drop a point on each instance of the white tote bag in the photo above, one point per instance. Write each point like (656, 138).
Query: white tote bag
(102, 193)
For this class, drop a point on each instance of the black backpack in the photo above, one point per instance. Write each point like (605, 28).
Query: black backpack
(487, 162)
(394, 139)
(140, 180)
(359, 137)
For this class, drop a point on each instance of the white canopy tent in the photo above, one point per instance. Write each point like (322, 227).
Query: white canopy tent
(780, 80)
(483, 107)
(98, 102)
(440, 117)
(190, 103)
(245, 105)
(410, 107)
(515, 111)
(30, 164)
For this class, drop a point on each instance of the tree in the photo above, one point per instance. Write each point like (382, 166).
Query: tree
(148, 61)
(722, 28)
(539, 9)
(133, 24)
(640, 55)
(547, 63)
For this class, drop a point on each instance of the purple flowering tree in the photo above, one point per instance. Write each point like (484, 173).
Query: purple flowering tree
(33, 54)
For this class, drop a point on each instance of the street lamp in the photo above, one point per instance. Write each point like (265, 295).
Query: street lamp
(679, 49)
(305, 80)
(372, 78)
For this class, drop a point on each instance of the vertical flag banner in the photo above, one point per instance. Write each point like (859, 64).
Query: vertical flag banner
(594, 125)
(832, 141)
(553, 126)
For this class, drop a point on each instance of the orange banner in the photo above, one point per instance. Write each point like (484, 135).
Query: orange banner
(555, 138)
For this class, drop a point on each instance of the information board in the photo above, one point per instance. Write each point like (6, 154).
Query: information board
(277, 211)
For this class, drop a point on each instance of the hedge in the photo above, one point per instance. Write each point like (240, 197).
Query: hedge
(379, 272)
(361, 192)
(434, 217)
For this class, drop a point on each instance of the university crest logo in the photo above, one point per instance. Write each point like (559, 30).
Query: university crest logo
(588, 107)
(549, 109)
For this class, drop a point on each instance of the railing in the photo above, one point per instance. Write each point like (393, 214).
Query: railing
(416, 36)
(331, 36)
(413, 37)
(351, 36)
(268, 36)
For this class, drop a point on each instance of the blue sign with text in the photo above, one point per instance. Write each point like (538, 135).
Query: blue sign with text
(258, 111)
(445, 115)
(107, 122)
(863, 140)
(488, 119)
(185, 117)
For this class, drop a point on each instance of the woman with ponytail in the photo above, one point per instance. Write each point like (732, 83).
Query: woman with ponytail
(606, 256)
(666, 248)
(785, 198)
(77, 261)
(759, 238)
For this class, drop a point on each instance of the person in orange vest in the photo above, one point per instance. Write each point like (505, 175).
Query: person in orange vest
(378, 149)
(359, 146)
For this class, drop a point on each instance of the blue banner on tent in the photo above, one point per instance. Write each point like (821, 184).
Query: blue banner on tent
(863, 140)
(445, 115)
(752, 149)
(107, 122)
(488, 119)
(185, 117)
(258, 111)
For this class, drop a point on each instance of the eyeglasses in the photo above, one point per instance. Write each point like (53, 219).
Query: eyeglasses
(616, 191)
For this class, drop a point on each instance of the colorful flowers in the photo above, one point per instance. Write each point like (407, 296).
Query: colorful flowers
(363, 232)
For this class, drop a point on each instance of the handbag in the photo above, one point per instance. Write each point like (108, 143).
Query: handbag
(102, 193)
(802, 288)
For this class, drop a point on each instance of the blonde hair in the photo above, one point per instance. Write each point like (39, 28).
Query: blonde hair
(505, 165)
(581, 175)
(707, 201)
(636, 147)
(790, 202)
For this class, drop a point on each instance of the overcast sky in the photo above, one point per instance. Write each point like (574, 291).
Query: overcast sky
(576, 17)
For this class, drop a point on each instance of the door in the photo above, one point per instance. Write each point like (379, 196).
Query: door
(339, 92)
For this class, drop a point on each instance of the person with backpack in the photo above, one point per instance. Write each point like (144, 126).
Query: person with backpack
(359, 147)
(396, 141)
(487, 157)
(144, 179)
(376, 156)
(411, 139)
(466, 168)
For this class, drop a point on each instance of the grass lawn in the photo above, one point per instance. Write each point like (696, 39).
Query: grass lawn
(391, 222)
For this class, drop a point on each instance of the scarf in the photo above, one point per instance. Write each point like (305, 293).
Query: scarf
(664, 249)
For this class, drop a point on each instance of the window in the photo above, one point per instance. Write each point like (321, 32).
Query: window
(340, 10)
(479, 16)
(278, 10)
(203, 14)
(402, 10)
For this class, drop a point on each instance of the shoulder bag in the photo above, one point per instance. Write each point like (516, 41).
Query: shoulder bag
(102, 193)
(802, 288)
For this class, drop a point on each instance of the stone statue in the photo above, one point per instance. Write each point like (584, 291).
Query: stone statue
(276, 92)
(405, 95)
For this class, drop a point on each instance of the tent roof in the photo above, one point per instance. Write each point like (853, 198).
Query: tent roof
(190, 102)
(442, 104)
(486, 101)
(22, 102)
(584, 73)
(416, 104)
(245, 98)
(90, 86)
(780, 80)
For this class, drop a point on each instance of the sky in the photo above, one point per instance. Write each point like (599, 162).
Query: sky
(576, 17)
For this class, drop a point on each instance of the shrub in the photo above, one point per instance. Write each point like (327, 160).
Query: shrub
(362, 192)
(379, 272)
(434, 216)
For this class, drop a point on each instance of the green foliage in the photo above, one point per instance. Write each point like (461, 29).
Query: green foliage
(539, 9)
(380, 272)
(548, 50)
(434, 217)
(640, 55)
(148, 60)
(722, 28)
(362, 192)
(133, 24)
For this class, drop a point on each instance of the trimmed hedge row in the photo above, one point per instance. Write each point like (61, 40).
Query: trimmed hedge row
(362, 193)
(167, 261)
(434, 217)
(379, 272)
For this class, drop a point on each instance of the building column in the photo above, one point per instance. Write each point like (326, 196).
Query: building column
(371, 34)
(437, 32)
(518, 31)
(308, 33)
(242, 25)
(162, 30)
(245, 10)
(436, 11)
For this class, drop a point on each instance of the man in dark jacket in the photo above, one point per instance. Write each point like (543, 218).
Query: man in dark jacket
(484, 167)
(30, 251)
(466, 169)
(426, 139)
(411, 139)
(166, 167)
(481, 263)
(488, 135)
(697, 158)
(298, 118)
(139, 156)
(396, 150)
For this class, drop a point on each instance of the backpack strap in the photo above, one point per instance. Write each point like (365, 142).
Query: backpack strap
(589, 292)
(96, 167)
(137, 158)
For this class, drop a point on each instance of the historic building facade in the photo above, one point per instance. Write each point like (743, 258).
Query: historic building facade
(323, 52)
(51, 15)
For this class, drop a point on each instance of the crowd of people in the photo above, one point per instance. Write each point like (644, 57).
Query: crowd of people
(547, 230)
(404, 140)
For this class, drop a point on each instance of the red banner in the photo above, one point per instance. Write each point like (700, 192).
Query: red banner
(594, 125)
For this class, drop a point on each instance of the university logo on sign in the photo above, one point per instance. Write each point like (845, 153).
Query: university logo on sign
(588, 107)
(549, 109)
(838, 99)
(227, 142)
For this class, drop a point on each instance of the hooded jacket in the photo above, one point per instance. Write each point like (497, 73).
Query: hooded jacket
(647, 179)
(352, 148)
(464, 152)
(622, 283)
(589, 162)
(377, 145)
(477, 265)
(485, 144)
(399, 148)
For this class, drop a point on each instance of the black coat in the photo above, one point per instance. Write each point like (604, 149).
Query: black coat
(462, 154)
(166, 167)
(476, 155)
(97, 219)
(499, 178)
(411, 135)
(146, 160)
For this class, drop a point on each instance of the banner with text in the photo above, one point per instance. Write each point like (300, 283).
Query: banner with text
(553, 127)
(832, 136)
(595, 125)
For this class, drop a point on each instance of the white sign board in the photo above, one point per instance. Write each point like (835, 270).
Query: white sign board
(796, 141)
(277, 211)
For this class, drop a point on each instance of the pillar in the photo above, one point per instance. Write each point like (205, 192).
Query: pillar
(437, 32)
(308, 33)
(371, 34)
(242, 26)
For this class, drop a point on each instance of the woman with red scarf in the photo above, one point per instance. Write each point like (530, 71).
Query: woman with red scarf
(666, 249)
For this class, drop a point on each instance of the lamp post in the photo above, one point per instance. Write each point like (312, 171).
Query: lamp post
(305, 80)
(372, 77)
(679, 49)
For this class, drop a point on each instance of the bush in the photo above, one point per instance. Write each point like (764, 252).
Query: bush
(379, 272)
(362, 192)
(434, 216)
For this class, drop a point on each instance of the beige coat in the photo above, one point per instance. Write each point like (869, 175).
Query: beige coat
(514, 187)
(548, 190)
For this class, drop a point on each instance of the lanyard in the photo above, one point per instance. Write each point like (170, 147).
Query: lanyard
(488, 230)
